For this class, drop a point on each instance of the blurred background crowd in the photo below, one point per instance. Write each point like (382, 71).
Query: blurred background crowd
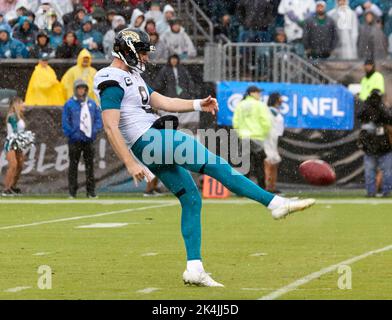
(341, 29)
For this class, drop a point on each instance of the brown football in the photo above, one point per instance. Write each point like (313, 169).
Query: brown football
(317, 172)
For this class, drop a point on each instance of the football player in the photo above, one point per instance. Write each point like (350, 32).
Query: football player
(135, 132)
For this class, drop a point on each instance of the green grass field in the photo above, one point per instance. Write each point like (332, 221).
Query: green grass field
(243, 247)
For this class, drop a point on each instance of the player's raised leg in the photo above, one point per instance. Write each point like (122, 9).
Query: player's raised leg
(209, 163)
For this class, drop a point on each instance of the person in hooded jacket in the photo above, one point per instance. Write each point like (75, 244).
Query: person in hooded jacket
(44, 89)
(372, 42)
(90, 39)
(56, 35)
(42, 45)
(347, 26)
(25, 33)
(10, 47)
(81, 122)
(163, 23)
(137, 19)
(82, 70)
(177, 41)
(77, 15)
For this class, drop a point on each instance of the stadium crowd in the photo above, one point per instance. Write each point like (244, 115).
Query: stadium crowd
(62, 29)
(341, 29)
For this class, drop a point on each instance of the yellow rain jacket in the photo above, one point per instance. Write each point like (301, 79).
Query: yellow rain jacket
(252, 119)
(44, 89)
(376, 81)
(78, 72)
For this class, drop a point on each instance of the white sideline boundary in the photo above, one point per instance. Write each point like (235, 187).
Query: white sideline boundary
(175, 201)
(294, 285)
(101, 214)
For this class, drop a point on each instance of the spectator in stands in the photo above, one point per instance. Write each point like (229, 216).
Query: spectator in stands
(257, 19)
(177, 41)
(160, 52)
(82, 70)
(320, 35)
(372, 42)
(56, 35)
(7, 5)
(90, 4)
(70, 47)
(163, 24)
(295, 12)
(46, 15)
(347, 25)
(15, 157)
(154, 12)
(25, 33)
(90, 39)
(137, 20)
(273, 158)
(20, 10)
(174, 80)
(11, 48)
(119, 6)
(70, 16)
(75, 24)
(362, 6)
(60, 6)
(150, 26)
(81, 122)
(228, 27)
(217, 9)
(42, 45)
(252, 121)
(104, 19)
(373, 80)
(31, 16)
(118, 23)
(280, 36)
(4, 24)
(44, 89)
(374, 141)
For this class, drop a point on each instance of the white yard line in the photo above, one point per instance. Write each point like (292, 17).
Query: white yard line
(102, 214)
(294, 285)
(175, 201)
(16, 289)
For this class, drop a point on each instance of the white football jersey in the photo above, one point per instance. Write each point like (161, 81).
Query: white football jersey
(136, 114)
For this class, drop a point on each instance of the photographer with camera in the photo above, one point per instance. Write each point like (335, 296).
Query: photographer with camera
(375, 141)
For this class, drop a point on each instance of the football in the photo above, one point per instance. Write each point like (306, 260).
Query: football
(317, 172)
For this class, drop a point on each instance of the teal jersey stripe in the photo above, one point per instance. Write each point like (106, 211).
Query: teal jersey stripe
(111, 98)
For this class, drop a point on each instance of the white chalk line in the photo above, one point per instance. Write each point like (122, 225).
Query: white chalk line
(102, 214)
(205, 201)
(294, 285)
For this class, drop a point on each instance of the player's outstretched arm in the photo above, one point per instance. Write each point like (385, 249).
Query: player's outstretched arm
(164, 103)
(111, 118)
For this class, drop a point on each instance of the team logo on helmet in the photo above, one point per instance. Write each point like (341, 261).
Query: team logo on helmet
(135, 37)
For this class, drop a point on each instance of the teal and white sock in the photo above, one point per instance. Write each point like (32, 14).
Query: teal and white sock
(194, 266)
(276, 202)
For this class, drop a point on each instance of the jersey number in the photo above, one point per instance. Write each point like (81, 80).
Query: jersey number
(143, 94)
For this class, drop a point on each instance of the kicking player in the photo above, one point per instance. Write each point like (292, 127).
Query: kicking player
(127, 105)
